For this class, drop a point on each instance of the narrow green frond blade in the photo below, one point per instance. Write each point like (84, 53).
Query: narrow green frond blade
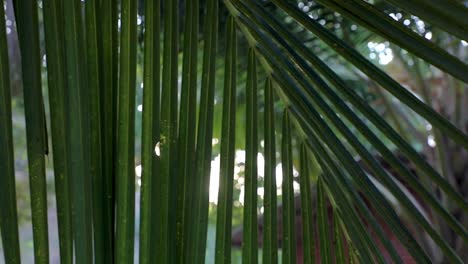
(198, 233)
(187, 128)
(168, 136)
(150, 130)
(338, 240)
(126, 136)
(270, 226)
(8, 211)
(94, 114)
(54, 37)
(323, 224)
(109, 84)
(28, 35)
(226, 177)
(250, 230)
(289, 213)
(77, 138)
(353, 255)
(306, 207)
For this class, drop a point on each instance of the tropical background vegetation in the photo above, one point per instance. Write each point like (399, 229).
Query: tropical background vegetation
(209, 131)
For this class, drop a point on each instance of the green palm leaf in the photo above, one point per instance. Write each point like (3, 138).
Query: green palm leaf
(28, 34)
(225, 195)
(8, 212)
(77, 136)
(270, 230)
(367, 189)
(250, 242)
(125, 132)
(198, 232)
(150, 127)
(57, 82)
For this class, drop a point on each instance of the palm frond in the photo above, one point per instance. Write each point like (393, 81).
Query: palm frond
(53, 27)
(250, 242)
(225, 195)
(150, 127)
(28, 35)
(198, 233)
(77, 132)
(364, 192)
(288, 241)
(8, 213)
(270, 230)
